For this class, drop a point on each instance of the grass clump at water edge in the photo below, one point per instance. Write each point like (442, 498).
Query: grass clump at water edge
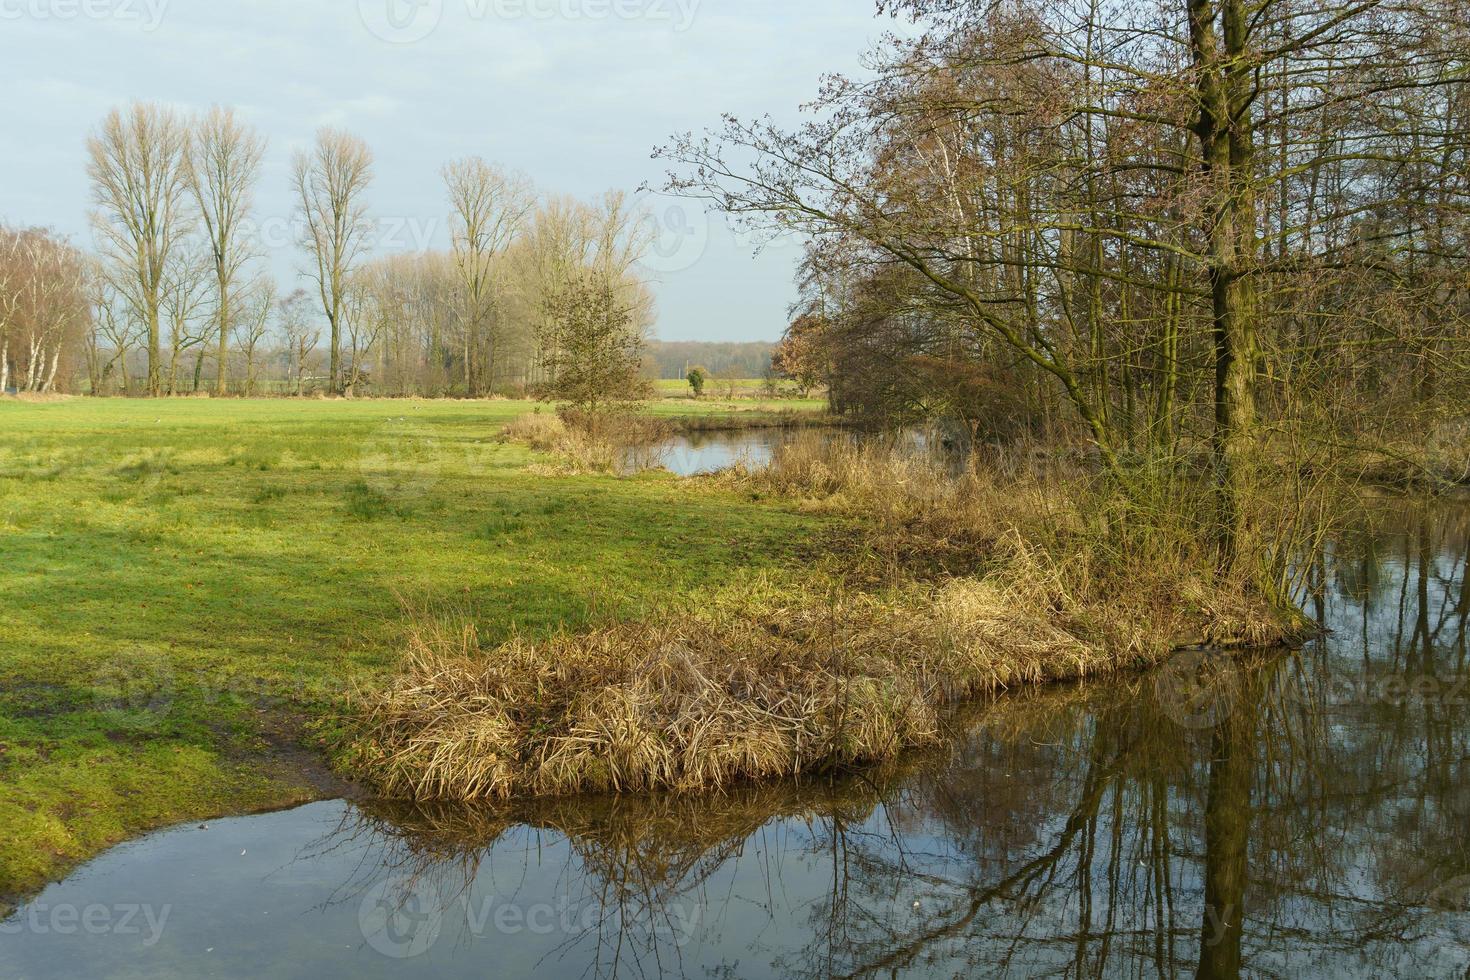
(995, 590)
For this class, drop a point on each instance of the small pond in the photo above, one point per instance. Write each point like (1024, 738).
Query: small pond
(1302, 815)
(701, 453)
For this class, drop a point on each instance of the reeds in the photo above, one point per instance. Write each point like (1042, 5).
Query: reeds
(775, 682)
(607, 441)
(742, 689)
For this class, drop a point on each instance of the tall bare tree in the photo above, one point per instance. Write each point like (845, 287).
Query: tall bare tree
(489, 209)
(138, 162)
(331, 182)
(224, 168)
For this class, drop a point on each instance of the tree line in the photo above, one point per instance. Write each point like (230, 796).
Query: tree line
(175, 299)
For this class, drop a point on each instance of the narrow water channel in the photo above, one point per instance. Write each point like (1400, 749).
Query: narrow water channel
(1303, 815)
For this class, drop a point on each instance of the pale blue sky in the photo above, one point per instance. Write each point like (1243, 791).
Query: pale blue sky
(573, 92)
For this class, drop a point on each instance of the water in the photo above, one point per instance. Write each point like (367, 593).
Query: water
(700, 453)
(1287, 815)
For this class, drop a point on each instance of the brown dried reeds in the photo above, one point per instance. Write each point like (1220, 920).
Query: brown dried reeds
(743, 689)
(613, 440)
(775, 682)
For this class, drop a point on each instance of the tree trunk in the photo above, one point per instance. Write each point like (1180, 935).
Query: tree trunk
(198, 368)
(155, 381)
(224, 332)
(336, 378)
(1226, 91)
(51, 374)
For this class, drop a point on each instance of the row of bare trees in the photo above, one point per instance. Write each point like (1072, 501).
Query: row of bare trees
(1199, 223)
(178, 294)
(476, 319)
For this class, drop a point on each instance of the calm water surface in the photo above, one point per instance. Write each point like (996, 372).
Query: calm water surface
(1302, 815)
(698, 453)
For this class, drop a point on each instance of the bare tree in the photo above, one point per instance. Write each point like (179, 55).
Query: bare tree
(363, 323)
(224, 167)
(116, 331)
(301, 337)
(139, 167)
(184, 306)
(490, 208)
(330, 182)
(11, 252)
(251, 324)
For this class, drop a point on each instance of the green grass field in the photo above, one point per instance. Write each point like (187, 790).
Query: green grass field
(185, 582)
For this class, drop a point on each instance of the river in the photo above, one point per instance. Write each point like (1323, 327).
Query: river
(1292, 815)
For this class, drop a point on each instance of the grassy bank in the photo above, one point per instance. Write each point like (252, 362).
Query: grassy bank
(188, 586)
(939, 589)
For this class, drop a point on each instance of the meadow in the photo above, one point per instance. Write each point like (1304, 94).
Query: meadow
(189, 586)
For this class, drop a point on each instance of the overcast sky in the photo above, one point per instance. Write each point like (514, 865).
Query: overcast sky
(575, 93)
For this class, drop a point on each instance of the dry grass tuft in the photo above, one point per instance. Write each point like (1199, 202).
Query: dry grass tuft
(542, 431)
(744, 689)
(779, 682)
(607, 441)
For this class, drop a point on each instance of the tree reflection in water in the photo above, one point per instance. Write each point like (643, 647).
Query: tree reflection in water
(1314, 824)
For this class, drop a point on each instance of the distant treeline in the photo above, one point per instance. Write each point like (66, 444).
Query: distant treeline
(673, 359)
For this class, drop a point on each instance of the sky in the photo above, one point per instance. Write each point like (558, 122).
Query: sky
(574, 93)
